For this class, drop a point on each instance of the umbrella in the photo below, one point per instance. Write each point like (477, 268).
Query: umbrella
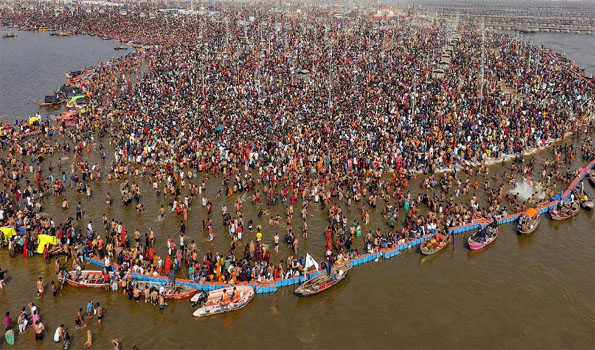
(219, 128)
(531, 212)
(556, 198)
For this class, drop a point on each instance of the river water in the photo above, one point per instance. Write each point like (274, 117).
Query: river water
(534, 292)
(33, 64)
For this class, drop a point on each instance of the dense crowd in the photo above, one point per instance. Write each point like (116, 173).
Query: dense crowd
(290, 109)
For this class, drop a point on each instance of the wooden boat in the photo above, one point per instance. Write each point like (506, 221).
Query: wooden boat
(8, 35)
(56, 250)
(565, 211)
(50, 101)
(483, 237)
(61, 34)
(117, 48)
(177, 292)
(528, 222)
(212, 305)
(135, 44)
(323, 281)
(86, 279)
(73, 74)
(435, 245)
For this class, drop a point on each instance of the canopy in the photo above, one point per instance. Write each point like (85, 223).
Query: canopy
(531, 212)
(45, 240)
(8, 231)
(75, 98)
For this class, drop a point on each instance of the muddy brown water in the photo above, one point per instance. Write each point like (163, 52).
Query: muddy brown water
(519, 293)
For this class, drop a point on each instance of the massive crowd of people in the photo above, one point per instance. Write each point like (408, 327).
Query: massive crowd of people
(299, 110)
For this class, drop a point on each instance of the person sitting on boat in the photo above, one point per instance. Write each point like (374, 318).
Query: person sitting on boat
(224, 299)
(235, 296)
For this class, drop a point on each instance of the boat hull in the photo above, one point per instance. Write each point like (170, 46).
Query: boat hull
(474, 245)
(528, 231)
(84, 281)
(213, 307)
(185, 293)
(322, 282)
(561, 217)
(426, 251)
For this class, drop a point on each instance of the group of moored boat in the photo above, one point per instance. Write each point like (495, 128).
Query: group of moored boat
(527, 224)
(211, 302)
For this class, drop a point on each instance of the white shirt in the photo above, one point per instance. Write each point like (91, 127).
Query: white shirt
(57, 335)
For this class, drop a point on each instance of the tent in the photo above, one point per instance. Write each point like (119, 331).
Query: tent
(45, 240)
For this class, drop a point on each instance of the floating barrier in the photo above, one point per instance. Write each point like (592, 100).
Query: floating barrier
(386, 253)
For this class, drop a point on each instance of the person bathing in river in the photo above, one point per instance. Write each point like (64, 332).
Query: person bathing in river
(40, 287)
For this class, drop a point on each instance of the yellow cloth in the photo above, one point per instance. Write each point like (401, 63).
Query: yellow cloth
(531, 212)
(34, 119)
(8, 232)
(45, 240)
